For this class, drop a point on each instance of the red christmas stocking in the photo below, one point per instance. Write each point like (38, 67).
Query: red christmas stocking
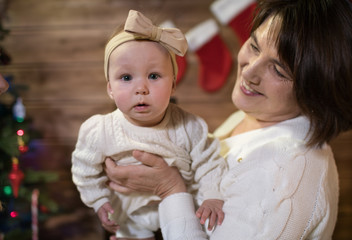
(215, 60)
(181, 61)
(181, 64)
(237, 14)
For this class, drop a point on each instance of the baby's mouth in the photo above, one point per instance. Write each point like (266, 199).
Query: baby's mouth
(141, 105)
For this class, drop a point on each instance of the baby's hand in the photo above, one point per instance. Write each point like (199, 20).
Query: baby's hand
(212, 209)
(104, 214)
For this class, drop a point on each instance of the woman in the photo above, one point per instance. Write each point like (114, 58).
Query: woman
(294, 92)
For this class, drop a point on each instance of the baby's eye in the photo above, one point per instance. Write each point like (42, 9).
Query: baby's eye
(126, 77)
(154, 76)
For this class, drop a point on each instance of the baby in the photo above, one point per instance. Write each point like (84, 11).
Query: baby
(140, 69)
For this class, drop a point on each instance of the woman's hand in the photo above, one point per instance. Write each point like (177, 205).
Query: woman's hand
(153, 176)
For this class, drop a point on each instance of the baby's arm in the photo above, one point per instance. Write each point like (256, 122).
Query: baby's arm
(212, 209)
(208, 167)
(87, 163)
(104, 214)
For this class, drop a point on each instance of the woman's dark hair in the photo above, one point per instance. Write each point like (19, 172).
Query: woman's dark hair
(315, 42)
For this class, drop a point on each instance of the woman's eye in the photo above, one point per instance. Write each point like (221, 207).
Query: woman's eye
(154, 76)
(254, 48)
(279, 73)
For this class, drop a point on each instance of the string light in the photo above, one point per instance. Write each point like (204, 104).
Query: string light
(7, 190)
(20, 132)
(21, 145)
(13, 214)
(23, 149)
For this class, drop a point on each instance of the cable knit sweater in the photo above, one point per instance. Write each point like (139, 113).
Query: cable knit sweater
(181, 139)
(276, 188)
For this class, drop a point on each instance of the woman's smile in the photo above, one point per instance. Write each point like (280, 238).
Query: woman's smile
(247, 90)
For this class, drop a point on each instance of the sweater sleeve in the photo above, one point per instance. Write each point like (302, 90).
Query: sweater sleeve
(87, 163)
(207, 164)
(180, 223)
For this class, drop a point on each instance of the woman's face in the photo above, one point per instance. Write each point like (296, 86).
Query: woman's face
(3, 85)
(264, 86)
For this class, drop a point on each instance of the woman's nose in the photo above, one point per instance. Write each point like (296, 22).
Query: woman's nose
(253, 70)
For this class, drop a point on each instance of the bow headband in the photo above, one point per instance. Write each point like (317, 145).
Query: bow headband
(138, 27)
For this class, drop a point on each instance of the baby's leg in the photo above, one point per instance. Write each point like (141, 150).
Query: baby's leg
(140, 224)
(131, 230)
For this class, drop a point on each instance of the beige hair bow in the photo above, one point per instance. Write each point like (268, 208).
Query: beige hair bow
(139, 27)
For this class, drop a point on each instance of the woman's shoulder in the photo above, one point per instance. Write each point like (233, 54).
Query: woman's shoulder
(283, 143)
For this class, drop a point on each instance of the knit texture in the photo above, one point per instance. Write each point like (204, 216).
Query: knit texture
(181, 139)
(275, 188)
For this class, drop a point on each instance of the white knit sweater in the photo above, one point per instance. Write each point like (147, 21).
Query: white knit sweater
(276, 188)
(181, 139)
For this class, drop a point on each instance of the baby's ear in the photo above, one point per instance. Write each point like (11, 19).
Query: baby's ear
(109, 91)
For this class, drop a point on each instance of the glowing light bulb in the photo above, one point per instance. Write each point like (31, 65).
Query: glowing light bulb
(13, 214)
(23, 149)
(8, 190)
(20, 132)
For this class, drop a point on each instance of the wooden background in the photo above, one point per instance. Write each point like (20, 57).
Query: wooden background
(57, 51)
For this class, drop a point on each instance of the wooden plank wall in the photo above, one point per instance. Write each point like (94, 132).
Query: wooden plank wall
(57, 51)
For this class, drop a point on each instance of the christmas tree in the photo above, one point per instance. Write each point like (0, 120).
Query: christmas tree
(21, 179)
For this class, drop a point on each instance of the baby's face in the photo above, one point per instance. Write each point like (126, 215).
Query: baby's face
(141, 81)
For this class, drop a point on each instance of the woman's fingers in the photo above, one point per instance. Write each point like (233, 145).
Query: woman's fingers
(119, 188)
(117, 173)
(149, 159)
(154, 175)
